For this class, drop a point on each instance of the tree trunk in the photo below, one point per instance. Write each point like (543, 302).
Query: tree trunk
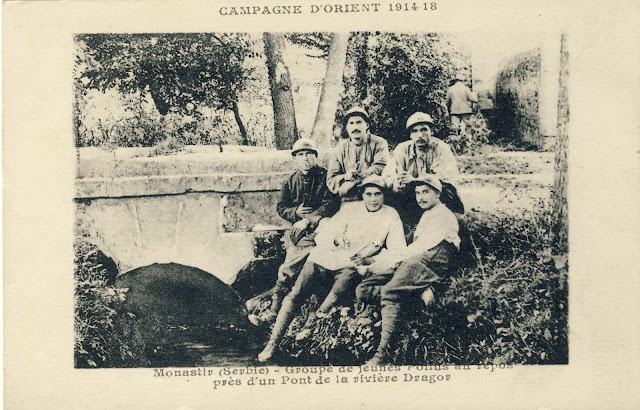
(322, 131)
(243, 130)
(284, 117)
(361, 42)
(559, 225)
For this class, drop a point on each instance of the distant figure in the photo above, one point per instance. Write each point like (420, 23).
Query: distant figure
(356, 158)
(485, 96)
(459, 102)
(486, 102)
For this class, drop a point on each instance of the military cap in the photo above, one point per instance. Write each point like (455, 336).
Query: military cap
(304, 144)
(419, 118)
(356, 111)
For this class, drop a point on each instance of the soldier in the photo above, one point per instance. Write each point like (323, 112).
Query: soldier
(357, 157)
(422, 155)
(459, 103)
(304, 201)
(351, 239)
(428, 259)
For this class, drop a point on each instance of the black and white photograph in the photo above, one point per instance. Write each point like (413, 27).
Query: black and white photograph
(252, 204)
(321, 199)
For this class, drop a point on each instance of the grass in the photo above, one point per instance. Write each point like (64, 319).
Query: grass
(510, 309)
(105, 335)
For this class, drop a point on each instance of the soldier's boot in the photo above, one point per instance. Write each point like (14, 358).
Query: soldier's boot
(390, 317)
(329, 302)
(285, 316)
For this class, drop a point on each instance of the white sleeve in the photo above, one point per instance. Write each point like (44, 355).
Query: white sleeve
(442, 226)
(326, 231)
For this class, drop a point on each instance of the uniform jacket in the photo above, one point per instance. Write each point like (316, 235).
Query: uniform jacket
(437, 159)
(373, 158)
(310, 190)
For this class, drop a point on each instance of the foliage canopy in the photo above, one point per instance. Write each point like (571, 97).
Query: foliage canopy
(397, 74)
(180, 71)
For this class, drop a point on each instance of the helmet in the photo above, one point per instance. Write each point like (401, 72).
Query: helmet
(304, 144)
(356, 111)
(374, 180)
(419, 118)
(430, 180)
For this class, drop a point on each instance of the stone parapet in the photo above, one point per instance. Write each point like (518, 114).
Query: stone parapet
(87, 188)
(205, 209)
(105, 174)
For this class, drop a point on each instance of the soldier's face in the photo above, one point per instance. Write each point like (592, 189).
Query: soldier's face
(427, 197)
(373, 198)
(305, 160)
(420, 134)
(357, 128)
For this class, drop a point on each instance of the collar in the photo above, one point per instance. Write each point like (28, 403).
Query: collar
(315, 170)
(368, 212)
(436, 209)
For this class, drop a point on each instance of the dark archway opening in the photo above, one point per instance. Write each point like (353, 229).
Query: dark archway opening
(185, 316)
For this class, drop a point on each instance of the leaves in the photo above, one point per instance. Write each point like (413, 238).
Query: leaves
(396, 74)
(100, 339)
(175, 69)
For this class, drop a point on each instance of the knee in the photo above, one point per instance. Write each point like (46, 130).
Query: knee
(389, 294)
(281, 272)
(386, 292)
(347, 277)
(412, 262)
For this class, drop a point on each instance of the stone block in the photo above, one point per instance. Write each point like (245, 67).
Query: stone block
(242, 212)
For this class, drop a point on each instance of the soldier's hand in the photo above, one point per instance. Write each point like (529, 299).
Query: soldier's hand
(363, 270)
(403, 179)
(345, 188)
(358, 260)
(299, 227)
(303, 210)
(352, 175)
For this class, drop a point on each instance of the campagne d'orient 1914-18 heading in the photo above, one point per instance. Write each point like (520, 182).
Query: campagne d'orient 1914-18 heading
(327, 8)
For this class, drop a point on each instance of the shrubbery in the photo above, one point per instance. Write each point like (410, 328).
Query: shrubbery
(510, 309)
(518, 99)
(397, 74)
(475, 137)
(104, 332)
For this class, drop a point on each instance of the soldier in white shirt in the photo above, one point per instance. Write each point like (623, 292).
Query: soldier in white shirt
(421, 264)
(356, 236)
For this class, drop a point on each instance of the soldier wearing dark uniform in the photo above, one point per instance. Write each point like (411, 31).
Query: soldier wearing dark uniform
(304, 201)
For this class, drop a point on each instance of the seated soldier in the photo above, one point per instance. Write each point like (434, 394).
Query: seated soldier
(304, 201)
(350, 239)
(423, 263)
(356, 157)
(423, 154)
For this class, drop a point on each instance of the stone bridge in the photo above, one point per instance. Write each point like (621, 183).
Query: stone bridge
(216, 211)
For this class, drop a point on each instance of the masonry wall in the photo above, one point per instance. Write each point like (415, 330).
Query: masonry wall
(209, 210)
